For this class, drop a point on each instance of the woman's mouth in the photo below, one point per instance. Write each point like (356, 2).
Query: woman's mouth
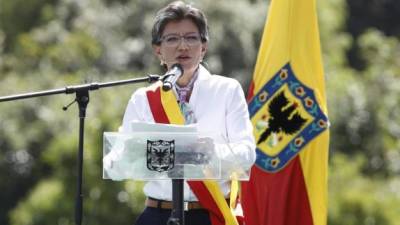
(183, 58)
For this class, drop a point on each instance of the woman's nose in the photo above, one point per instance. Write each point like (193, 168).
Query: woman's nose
(182, 44)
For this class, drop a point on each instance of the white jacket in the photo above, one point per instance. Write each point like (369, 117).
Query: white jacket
(220, 107)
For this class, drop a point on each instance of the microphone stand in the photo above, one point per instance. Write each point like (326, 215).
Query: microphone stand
(82, 98)
(178, 210)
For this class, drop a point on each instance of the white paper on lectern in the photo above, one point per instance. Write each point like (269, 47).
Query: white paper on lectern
(137, 126)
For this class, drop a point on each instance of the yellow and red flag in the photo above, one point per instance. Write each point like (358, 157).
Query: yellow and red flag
(287, 105)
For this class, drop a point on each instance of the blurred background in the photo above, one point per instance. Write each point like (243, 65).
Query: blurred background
(47, 44)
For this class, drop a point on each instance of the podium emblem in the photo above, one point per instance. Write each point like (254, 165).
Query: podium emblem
(160, 155)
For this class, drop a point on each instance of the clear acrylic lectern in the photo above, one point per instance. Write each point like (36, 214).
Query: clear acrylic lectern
(161, 151)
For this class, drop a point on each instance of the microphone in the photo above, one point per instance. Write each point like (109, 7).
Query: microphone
(171, 76)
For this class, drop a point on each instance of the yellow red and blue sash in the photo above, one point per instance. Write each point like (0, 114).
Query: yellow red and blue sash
(165, 109)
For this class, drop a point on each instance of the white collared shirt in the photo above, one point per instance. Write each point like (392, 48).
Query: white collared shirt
(219, 107)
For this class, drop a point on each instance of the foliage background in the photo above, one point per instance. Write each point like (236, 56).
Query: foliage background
(46, 44)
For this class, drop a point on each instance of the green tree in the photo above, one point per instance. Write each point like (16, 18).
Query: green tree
(49, 44)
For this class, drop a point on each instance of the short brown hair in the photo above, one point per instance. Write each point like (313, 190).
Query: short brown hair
(177, 11)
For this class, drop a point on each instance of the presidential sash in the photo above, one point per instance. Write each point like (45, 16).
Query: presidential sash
(165, 109)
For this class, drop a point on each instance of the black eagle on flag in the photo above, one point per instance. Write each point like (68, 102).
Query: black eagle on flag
(282, 117)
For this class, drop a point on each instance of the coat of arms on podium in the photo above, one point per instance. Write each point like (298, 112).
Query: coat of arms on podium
(160, 155)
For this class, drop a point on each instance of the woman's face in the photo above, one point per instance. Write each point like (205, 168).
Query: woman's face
(181, 43)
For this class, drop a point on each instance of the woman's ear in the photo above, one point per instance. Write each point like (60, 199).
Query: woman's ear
(204, 47)
(157, 52)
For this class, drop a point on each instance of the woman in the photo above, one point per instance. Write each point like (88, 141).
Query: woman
(215, 103)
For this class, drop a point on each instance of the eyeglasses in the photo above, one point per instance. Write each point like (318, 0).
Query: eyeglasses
(173, 40)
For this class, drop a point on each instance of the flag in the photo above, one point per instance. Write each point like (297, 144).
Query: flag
(287, 105)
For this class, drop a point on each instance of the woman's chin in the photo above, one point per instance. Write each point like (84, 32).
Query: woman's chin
(189, 66)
